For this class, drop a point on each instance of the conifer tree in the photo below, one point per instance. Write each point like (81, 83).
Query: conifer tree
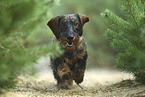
(127, 37)
(18, 20)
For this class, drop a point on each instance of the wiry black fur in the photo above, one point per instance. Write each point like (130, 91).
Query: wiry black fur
(82, 61)
(72, 64)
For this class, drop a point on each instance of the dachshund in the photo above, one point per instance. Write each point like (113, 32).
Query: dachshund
(71, 65)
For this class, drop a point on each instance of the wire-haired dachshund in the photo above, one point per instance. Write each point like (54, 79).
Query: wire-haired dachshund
(68, 30)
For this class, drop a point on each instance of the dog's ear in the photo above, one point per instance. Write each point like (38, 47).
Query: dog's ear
(53, 25)
(83, 18)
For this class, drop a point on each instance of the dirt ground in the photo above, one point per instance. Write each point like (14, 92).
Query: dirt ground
(97, 83)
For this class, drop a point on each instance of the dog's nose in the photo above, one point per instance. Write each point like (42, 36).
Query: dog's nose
(70, 38)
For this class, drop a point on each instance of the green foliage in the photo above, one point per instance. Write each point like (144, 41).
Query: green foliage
(20, 22)
(127, 37)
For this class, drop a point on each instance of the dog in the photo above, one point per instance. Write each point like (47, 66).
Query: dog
(68, 31)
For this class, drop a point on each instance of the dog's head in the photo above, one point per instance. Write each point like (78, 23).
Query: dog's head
(68, 28)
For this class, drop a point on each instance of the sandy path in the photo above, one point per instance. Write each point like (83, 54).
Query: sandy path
(92, 77)
(94, 83)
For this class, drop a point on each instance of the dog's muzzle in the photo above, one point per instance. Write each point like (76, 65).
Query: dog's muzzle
(69, 43)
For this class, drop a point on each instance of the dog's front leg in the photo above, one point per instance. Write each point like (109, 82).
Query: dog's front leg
(79, 70)
(65, 74)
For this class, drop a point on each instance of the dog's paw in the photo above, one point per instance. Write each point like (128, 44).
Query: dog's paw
(64, 87)
(65, 84)
(78, 76)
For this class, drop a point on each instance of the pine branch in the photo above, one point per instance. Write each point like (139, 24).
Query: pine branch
(126, 61)
(119, 24)
(132, 14)
(130, 55)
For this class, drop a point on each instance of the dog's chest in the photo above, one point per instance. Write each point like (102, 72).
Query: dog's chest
(73, 57)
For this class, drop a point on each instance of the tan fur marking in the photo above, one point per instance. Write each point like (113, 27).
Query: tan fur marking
(63, 69)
